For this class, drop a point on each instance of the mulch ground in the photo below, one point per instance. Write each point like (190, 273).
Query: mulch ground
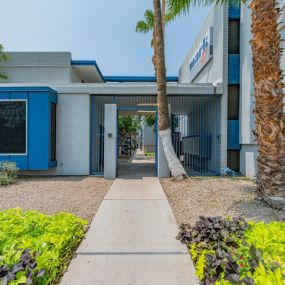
(216, 197)
(78, 195)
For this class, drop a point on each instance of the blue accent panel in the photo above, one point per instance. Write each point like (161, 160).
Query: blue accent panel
(20, 160)
(137, 79)
(39, 101)
(4, 158)
(234, 69)
(39, 131)
(233, 135)
(234, 12)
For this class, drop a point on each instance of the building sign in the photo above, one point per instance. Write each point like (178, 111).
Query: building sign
(202, 55)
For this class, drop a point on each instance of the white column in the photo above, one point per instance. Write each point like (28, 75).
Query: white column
(162, 165)
(110, 141)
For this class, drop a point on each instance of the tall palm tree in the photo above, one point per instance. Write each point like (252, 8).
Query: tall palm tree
(156, 21)
(164, 130)
(269, 96)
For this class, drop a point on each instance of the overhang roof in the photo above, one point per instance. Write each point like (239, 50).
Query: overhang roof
(127, 89)
(88, 70)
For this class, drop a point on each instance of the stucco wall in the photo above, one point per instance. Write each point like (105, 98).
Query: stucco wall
(34, 67)
(213, 71)
(216, 70)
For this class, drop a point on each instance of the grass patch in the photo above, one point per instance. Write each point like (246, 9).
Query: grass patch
(36, 248)
(150, 154)
(232, 251)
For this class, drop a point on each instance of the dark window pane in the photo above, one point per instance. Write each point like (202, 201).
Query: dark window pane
(233, 102)
(53, 132)
(234, 37)
(13, 127)
(234, 160)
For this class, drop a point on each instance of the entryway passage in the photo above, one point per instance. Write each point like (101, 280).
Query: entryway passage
(132, 241)
(138, 166)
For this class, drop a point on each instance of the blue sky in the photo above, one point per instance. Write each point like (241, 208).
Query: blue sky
(103, 30)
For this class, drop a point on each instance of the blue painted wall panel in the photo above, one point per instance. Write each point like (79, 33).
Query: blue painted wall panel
(20, 160)
(234, 69)
(39, 126)
(4, 158)
(233, 135)
(234, 12)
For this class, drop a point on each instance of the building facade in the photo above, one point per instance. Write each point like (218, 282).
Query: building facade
(58, 116)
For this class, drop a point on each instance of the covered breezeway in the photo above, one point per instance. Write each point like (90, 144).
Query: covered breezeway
(195, 122)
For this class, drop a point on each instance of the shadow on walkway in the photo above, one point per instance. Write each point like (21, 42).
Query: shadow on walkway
(140, 166)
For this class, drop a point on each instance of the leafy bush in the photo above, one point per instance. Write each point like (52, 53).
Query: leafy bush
(231, 251)
(8, 173)
(36, 248)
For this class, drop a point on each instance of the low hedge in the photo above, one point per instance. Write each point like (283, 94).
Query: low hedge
(232, 251)
(36, 248)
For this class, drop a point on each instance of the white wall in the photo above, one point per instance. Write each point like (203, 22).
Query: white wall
(216, 71)
(213, 71)
(148, 136)
(110, 141)
(73, 134)
(31, 67)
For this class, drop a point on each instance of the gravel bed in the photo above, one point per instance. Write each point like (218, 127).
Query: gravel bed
(78, 195)
(216, 197)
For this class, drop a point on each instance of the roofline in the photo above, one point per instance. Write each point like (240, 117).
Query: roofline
(28, 89)
(122, 79)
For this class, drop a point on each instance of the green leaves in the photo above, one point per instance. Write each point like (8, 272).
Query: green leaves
(231, 251)
(147, 24)
(3, 57)
(129, 125)
(180, 7)
(37, 247)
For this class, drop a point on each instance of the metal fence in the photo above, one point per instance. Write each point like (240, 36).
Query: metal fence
(196, 133)
(195, 121)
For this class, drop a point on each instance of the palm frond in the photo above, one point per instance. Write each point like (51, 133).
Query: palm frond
(178, 7)
(143, 27)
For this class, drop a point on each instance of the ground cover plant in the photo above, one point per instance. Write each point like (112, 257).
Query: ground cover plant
(36, 248)
(233, 251)
(8, 173)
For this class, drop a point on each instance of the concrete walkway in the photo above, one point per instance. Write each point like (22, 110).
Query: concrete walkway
(131, 241)
(139, 167)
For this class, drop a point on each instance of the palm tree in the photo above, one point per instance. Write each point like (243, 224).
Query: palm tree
(269, 96)
(155, 20)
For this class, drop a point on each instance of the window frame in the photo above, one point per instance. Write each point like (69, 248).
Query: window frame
(26, 150)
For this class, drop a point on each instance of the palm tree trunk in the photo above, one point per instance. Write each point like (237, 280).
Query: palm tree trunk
(270, 119)
(164, 130)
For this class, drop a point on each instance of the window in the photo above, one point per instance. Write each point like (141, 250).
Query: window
(13, 127)
(233, 102)
(234, 37)
(234, 160)
(53, 132)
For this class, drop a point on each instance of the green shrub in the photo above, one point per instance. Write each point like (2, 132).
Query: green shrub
(36, 248)
(231, 251)
(8, 173)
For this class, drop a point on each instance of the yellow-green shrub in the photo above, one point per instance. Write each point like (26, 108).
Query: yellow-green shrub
(51, 241)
